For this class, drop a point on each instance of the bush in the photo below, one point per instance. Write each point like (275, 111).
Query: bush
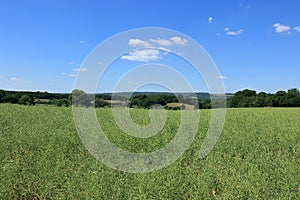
(61, 102)
(26, 100)
(100, 103)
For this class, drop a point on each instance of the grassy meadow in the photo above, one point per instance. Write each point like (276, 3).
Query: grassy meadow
(257, 157)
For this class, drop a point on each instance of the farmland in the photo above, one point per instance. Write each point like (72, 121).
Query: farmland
(42, 157)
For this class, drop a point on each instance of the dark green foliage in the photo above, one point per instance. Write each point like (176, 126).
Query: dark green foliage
(2, 94)
(61, 102)
(80, 98)
(249, 98)
(26, 100)
(172, 108)
(100, 103)
(293, 97)
(103, 96)
(10, 98)
(261, 100)
(245, 98)
(146, 101)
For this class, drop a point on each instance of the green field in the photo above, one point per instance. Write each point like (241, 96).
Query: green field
(257, 157)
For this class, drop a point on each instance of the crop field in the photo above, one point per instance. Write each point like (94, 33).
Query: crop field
(256, 157)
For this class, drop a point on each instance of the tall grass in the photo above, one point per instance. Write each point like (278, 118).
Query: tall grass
(42, 157)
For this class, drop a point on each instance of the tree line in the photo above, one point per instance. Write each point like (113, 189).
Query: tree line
(244, 98)
(250, 98)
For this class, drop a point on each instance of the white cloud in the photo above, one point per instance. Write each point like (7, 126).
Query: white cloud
(144, 55)
(72, 75)
(75, 71)
(15, 79)
(280, 28)
(73, 63)
(210, 20)
(82, 42)
(80, 69)
(138, 42)
(162, 42)
(179, 40)
(228, 32)
(297, 28)
(166, 50)
(19, 81)
(221, 77)
(153, 48)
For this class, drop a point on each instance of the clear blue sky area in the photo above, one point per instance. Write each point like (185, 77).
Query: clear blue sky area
(255, 44)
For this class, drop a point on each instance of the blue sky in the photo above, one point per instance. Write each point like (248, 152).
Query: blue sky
(255, 44)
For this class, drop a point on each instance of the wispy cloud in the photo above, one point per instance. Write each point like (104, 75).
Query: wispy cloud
(82, 42)
(144, 55)
(229, 32)
(19, 81)
(138, 43)
(297, 28)
(72, 75)
(166, 50)
(179, 41)
(210, 20)
(77, 70)
(162, 42)
(153, 48)
(73, 63)
(84, 69)
(280, 28)
(15, 79)
(221, 77)
(176, 40)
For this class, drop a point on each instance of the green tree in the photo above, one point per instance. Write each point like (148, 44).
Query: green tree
(61, 102)
(281, 99)
(26, 100)
(10, 98)
(80, 98)
(200, 103)
(293, 98)
(261, 100)
(99, 103)
(84, 100)
(2, 94)
(245, 98)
